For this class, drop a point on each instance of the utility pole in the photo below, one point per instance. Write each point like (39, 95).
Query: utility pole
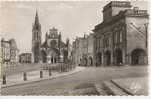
(146, 32)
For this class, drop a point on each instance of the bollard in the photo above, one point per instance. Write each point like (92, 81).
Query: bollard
(49, 72)
(24, 76)
(67, 68)
(61, 67)
(41, 74)
(4, 79)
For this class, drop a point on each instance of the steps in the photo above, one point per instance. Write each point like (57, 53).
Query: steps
(100, 89)
(110, 89)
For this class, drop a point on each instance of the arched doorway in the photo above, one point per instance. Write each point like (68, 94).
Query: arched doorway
(55, 60)
(90, 61)
(85, 62)
(80, 63)
(107, 58)
(53, 55)
(99, 58)
(44, 56)
(118, 57)
(138, 57)
(51, 59)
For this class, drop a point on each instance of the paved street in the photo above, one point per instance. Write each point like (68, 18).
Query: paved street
(77, 84)
(35, 76)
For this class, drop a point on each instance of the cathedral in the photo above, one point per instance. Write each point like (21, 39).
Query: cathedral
(53, 49)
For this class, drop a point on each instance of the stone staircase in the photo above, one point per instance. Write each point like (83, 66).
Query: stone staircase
(110, 89)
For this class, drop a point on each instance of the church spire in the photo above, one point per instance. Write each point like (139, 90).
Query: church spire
(36, 39)
(36, 18)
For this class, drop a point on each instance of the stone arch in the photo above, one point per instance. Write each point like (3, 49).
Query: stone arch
(107, 57)
(118, 55)
(138, 57)
(85, 61)
(53, 43)
(90, 61)
(99, 58)
(53, 55)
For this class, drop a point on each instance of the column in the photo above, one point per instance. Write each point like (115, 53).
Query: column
(103, 59)
(114, 58)
(123, 57)
(111, 58)
(129, 59)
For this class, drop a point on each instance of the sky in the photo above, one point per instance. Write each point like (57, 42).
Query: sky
(71, 18)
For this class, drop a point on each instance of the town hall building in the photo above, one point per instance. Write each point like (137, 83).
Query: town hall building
(121, 39)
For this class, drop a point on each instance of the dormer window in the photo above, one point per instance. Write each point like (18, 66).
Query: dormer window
(53, 36)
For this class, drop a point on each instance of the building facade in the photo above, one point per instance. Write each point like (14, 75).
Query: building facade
(5, 49)
(14, 52)
(25, 58)
(83, 50)
(9, 51)
(53, 49)
(90, 51)
(121, 39)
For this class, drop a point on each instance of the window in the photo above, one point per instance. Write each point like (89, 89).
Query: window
(37, 35)
(100, 43)
(53, 36)
(115, 37)
(106, 42)
(120, 36)
(97, 44)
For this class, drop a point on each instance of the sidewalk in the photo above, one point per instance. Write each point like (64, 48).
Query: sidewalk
(34, 76)
(135, 86)
(126, 86)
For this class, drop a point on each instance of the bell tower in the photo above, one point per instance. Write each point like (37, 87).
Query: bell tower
(36, 39)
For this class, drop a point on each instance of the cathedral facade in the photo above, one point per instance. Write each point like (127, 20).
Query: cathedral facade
(53, 49)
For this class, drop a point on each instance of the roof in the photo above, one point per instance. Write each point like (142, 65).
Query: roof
(122, 14)
(46, 45)
(125, 4)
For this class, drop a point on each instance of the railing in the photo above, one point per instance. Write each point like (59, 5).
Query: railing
(59, 67)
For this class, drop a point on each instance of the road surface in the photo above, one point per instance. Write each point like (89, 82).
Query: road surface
(70, 83)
